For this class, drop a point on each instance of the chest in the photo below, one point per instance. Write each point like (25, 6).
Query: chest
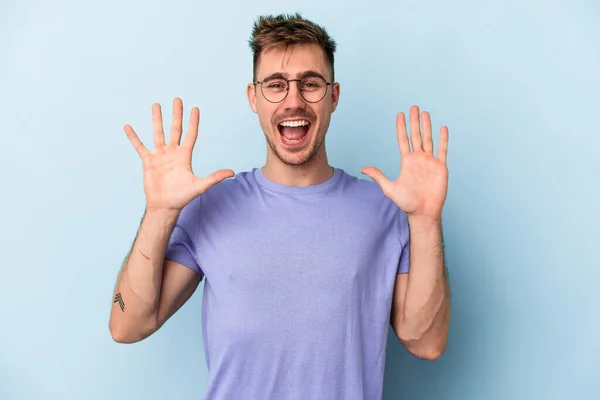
(271, 271)
(324, 249)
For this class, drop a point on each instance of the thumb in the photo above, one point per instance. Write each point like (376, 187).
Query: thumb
(203, 184)
(378, 177)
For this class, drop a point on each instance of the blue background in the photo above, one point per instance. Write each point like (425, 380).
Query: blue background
(516, 82)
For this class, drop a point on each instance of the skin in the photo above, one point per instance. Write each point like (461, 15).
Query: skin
(421, 304)
(307, 165)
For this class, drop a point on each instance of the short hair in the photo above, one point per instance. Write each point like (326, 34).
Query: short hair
(288, 30)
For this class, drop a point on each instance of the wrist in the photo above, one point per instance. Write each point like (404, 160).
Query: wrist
(426, 223)
(162, 217)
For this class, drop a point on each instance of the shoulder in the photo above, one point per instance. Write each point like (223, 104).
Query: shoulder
(241, 183)
(231, 192)
(363, 190)
(235, 187)
(366, 194)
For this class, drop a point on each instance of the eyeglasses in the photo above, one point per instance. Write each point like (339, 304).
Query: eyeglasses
(312, 88)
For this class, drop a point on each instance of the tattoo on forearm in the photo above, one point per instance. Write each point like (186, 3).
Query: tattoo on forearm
(119, 299)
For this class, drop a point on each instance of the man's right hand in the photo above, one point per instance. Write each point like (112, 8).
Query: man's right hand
(169, 182)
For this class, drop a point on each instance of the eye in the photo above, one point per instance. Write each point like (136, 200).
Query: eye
(311, 84)
(276, 85)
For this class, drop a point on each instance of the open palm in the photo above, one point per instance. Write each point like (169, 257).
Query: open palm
(169, 182)
(421, 187)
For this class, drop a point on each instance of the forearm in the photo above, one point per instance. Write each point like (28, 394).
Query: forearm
(424, 321)
(137, 291)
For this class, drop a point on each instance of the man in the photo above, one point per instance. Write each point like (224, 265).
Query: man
(304, 265)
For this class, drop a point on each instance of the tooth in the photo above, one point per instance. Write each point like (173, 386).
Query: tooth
(294, 124)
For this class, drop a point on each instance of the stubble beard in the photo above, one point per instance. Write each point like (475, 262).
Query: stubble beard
(293, 161)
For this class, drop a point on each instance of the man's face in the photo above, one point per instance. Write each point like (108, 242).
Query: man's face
(294, 128)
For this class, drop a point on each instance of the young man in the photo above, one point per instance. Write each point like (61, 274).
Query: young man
(305, 266)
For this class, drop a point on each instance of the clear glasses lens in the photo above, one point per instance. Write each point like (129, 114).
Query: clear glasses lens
(312, 89)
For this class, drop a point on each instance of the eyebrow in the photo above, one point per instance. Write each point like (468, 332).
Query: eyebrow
(300, 75)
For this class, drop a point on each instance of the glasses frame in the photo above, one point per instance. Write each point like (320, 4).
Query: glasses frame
(287, 91)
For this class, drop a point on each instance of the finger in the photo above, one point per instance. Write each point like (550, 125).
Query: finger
(403, 143)
(443, 146)
(415, 129)
(159, 135)
(427, 135)
(192, 132)
(378, 177)
(135, 140)
(203, 184)
(176, 123)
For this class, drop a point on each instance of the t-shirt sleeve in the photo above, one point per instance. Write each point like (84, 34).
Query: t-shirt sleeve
(182, 244)
(404, 236)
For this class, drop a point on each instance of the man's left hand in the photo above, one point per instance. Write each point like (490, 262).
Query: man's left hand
(421, 187)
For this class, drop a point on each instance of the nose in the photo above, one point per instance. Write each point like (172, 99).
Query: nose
(294, 99)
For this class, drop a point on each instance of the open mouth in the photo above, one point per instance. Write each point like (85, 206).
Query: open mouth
(294, 132)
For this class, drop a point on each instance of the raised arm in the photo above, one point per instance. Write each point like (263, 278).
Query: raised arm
(150, 289)
(421, 304)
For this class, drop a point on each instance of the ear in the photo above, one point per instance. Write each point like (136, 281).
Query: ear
(251, 93)
(335, 95)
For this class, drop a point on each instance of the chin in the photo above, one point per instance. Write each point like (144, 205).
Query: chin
(297, 155)
(294, 158)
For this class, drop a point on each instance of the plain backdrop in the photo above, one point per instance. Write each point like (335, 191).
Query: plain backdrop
(517, 83)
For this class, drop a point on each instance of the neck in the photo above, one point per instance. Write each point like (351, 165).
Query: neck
(313, 172)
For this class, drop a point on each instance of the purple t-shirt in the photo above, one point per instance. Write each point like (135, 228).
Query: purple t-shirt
(298, 285)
